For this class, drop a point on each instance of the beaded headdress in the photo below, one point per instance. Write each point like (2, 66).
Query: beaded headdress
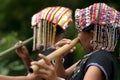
(105, 22)
(45, 23)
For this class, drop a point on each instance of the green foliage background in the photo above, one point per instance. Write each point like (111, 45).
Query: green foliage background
(15, 24)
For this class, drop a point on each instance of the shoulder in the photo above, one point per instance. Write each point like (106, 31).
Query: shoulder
(94, 73)
(104, 60)
(101, 55)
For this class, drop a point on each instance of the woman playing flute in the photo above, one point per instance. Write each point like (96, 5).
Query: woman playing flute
(47, 24)
(48, 27)
(98, 31)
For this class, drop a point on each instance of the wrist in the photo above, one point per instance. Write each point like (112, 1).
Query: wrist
(27, 59)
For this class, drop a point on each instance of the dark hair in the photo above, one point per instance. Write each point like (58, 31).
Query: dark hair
(88, 28)
(59, 30)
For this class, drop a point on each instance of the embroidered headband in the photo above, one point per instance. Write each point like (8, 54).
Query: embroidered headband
(45, 23)
(106, 21)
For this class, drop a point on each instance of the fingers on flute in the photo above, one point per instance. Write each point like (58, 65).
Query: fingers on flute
(62, 43)
(41, 72)
(18, 43)
(21, 49)
(41, 65)
(47, 61)
(73, 49)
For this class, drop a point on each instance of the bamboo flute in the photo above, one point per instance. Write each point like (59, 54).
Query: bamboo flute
(15, 47)
(55, 54)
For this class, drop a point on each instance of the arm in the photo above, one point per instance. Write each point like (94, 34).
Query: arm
(101, 65)
(59, 68)
(33, 76)
(94, 73)
(61, 71)
(23, 53)
(47, 70)
(2, 77)
(59, 64)
(70, 69)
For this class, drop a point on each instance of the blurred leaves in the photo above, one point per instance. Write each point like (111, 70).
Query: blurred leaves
(8, 39)
(7, 67)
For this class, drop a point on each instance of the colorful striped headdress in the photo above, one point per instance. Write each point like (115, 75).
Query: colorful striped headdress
(45, 23)
(106, 21)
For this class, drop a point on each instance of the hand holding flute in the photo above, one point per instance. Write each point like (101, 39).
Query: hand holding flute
(44, 66)
(59, 52)
(23, 53)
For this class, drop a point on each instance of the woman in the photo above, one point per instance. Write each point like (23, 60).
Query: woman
(50, 22)
(98, 30)
(48, 27)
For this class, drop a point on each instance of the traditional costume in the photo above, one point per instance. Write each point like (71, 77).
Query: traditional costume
(105, 21)
(45, 23)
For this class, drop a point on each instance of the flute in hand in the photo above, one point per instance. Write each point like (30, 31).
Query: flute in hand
(55, 54)
(15, 47)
